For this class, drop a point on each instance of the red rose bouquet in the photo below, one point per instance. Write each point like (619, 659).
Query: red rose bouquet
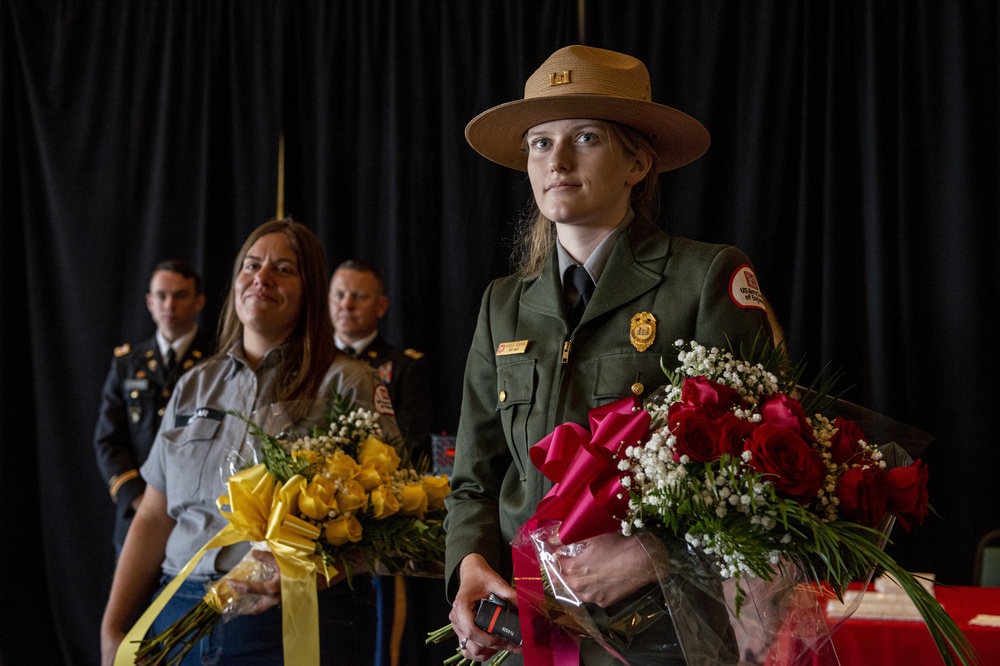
(750, 504)
(776, 498)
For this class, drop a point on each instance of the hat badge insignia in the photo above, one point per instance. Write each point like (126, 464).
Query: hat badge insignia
(559, 78)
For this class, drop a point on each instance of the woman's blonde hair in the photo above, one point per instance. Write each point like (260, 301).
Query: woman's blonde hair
(536, 234)
(310, 348)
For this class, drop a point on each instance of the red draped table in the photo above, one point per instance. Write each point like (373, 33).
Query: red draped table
(864, 641)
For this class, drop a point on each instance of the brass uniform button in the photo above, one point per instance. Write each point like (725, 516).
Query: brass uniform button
(133, 395)
(503, 396)
(638, 388)
(160, 411)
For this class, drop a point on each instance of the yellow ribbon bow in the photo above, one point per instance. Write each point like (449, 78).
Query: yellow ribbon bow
(259, 513)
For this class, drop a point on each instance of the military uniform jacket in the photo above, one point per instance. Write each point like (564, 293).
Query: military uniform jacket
(133, 400)
(406, 376)
(511, 401)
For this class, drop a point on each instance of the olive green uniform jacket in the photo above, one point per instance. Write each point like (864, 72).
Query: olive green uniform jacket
(511, 401)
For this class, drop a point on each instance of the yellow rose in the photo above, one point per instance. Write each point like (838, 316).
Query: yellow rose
(374, 451)
(413, 500)
(341, 466)
(371, 475)
(318, 498)
(311, 457)
(351, 496)
(437, 489)
(384, 502)
(341, 530)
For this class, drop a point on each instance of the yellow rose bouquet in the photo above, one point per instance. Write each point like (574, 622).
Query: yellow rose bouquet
(334, 500)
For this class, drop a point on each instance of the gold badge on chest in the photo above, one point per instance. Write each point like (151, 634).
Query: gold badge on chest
(642, 331)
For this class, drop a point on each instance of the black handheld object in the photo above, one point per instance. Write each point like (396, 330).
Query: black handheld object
(495, 617)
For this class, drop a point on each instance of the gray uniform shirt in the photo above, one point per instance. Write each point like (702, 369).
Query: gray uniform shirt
(199, 445)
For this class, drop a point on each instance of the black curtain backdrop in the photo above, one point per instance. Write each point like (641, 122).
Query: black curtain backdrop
(854, 158)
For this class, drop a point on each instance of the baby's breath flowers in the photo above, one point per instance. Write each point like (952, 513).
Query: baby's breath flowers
(746, 473)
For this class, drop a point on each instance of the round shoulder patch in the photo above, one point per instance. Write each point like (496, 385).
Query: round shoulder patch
(744, 290)
(382, 402)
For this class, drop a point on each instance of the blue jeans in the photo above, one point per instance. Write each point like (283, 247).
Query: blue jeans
(347, 624)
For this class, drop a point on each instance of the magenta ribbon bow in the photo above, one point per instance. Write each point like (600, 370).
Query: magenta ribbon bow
(587, 498)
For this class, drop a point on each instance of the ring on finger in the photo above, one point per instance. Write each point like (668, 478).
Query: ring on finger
(461, 644)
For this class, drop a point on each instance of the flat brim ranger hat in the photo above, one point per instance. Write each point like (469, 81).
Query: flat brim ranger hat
(587, 82)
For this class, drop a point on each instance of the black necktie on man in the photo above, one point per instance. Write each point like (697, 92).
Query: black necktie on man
(170, 362)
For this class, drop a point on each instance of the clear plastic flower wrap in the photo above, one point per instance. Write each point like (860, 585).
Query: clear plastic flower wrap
(284, 421)
(228, 602)
(691, 615)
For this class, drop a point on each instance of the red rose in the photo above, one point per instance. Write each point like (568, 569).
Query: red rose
(907, 488)
(794, 467)
(713, 397)
(863, 494)
(697, 437)
(783, 411)
(844, 444)
(675, 410)
(734, 433)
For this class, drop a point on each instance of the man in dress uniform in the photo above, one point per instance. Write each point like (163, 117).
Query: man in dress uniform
(407, 608)
(357, 303)
(140, 381)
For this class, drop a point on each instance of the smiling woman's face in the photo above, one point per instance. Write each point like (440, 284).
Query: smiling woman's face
(268, 292)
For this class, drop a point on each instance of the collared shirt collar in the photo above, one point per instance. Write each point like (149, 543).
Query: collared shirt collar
(238, 358)
(358, 346)
(180, 345)
(598, 259)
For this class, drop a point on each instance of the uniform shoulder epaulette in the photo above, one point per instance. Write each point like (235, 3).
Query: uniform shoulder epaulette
(121, 350)
(413, 353)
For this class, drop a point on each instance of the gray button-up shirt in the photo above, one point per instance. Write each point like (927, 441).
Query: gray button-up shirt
(199, 445)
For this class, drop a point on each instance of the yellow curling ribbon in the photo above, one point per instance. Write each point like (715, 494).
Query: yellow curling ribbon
(259, 512)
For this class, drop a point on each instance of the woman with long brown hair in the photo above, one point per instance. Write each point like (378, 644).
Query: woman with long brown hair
(277, 362)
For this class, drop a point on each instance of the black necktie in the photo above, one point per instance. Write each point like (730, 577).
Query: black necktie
(584, 285)
(350, 351)
(170, 360)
